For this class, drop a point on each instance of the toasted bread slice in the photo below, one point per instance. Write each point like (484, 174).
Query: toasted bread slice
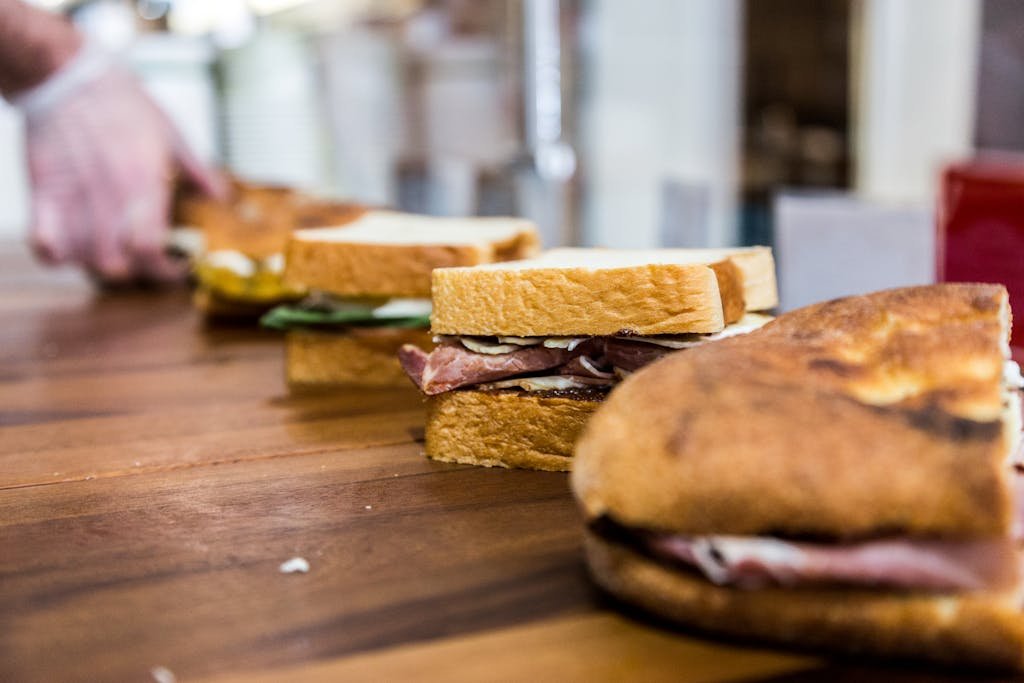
(604, 292)
(257, 219)
(507, 429)
(390, 254)
(358, 356)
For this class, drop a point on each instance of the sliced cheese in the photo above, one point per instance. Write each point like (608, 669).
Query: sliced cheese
(233, 261)
(748, 323)
(403, 308)
(548, 383)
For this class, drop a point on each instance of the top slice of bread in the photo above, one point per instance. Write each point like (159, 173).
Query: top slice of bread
(256, 220)
(871, 415)
(391, 254)
(575, 292)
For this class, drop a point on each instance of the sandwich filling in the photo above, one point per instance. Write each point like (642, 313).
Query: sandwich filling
(234, 276)
(547, 363)
(324, 312)
(761, 562)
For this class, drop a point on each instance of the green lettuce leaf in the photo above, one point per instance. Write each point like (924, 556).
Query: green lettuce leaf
(338, 315)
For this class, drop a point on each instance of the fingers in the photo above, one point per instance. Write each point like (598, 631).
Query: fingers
(102, 183)
(209, 181)
(109, 259)
(100, 166)
(147, 236)
(47, 237)
(128, 193)
(49, 233)
(60, 218)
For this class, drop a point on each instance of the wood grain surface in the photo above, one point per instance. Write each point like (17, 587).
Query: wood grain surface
(154, 474)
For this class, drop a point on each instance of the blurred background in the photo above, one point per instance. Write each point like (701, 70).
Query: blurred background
(818, 126)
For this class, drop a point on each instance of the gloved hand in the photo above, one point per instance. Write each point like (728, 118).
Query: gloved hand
(102, 161)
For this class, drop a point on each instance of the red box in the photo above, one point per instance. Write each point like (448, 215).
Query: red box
(980, 223)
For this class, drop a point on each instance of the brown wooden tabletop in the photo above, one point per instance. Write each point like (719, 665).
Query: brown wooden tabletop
(154, 475)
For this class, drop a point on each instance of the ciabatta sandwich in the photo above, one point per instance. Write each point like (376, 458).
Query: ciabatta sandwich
(529, 349)
(840, 479)
(369, 285)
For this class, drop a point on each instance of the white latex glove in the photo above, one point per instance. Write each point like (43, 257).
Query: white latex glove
(102, 160)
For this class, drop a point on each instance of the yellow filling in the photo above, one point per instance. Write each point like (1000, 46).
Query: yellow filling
(261, 286)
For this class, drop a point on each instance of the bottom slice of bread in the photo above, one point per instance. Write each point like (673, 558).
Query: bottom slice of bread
(507, 428)
(358, 356)
(982, 629)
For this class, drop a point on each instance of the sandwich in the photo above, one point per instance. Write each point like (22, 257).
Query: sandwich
(843, 478)
(237, 246)
(368, 286)
(528, 350)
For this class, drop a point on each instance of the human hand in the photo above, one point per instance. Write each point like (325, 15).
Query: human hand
(102, 161)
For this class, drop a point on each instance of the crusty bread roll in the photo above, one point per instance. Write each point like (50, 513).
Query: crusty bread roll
(357, 356)
(886, 416)
(507, 428)
(590, 292)
(833, 397)
(390, 254)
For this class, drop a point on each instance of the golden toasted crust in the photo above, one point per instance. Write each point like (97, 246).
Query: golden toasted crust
(392, 270)
(757, 265)
(867, 415)
(982, 629)
(946, 343)
(258, 219)
(505, 429)
(600, 292)
(730, 288)
(653, 299)
(360, 356)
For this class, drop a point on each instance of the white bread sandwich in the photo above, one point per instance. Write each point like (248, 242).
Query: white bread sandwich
(369, 285)
(236, 246)
(529, 349)
(841, 479)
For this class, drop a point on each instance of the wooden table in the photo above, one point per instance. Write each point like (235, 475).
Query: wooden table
(154, 474)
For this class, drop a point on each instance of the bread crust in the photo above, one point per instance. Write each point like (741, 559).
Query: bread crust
(391, 270)
(757, 265)
(676, 291)
(359, 356)
(860, 417)
(730, 288)
(982, 629)
(653, 299)
(258, 219)
(505, 429)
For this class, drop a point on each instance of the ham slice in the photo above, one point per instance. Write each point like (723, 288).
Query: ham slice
(585, 366)
(920, 564)
(413, 360)
(632, 355)
(937, 565)
(451, 365)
